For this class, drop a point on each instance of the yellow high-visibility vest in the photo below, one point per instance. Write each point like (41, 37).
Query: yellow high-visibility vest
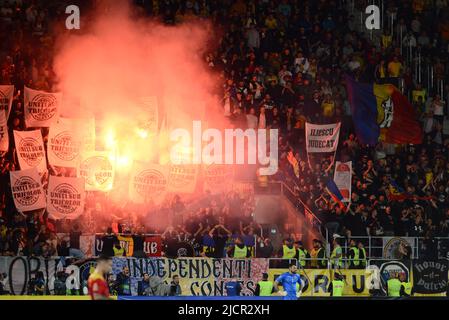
(266, 287)
(407, 287)
(394, 287)
(288, 253)
(356, 259)
(240, 253)
(302, 255)
(337, 288)
(118, 252)
(335, 260)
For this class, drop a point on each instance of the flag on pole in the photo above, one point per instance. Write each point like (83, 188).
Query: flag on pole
(382, 112)
(335, 193)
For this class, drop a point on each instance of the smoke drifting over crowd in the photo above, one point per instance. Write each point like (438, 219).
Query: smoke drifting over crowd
(119, 61)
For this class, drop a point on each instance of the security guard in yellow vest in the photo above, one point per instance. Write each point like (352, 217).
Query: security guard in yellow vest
(336, 255)
(353, 256)
(239, 250)
(118, 250)
(318, 255)
(362, 255)
(337, 286)
(302, 254)
(264, 287)
(288, 249)
(394, 286)
(406, 286)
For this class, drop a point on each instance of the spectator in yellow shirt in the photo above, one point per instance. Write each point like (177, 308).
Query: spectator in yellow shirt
(328, 106)
(395, 68)
(418, 6)
(271, 22)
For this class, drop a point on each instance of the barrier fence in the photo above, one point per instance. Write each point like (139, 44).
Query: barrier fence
(398, 247)
(208, 276)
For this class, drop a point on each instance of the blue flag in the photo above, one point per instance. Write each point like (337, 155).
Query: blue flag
(335, 193)
(364, 111)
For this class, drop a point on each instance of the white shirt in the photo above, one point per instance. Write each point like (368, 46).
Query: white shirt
(438, 108)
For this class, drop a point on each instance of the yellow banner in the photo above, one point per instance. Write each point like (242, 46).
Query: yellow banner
(316, 281)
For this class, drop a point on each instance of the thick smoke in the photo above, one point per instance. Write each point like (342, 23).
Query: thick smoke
(120, 58)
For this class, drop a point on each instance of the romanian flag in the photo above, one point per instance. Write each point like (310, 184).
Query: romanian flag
(382, 112)
(396, 192)
(335, 193)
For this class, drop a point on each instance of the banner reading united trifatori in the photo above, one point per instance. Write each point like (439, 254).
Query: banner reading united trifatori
(27, 190)
(6, 97)
(63, 145)
(41, 108)
(97, 169)
(65, 197)
(4, 136)
(148, 182)
(30, 150)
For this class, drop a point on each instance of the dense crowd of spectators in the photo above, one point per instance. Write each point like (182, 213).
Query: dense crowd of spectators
(281, 64)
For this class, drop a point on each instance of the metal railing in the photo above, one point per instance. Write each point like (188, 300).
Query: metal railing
(390, 247)
(283, 188)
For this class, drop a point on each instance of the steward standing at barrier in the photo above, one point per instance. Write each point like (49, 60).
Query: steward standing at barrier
(362, 255)
(119, 251)
(394, 286)
(289, 281)
(353, 256)
(301, 254)
(337, 286)
(288, 249)
(406, 286)
(264, 287)
(239, 250)
(318, 255)
(336, 255)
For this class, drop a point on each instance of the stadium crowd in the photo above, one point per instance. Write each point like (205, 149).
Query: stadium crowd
(282, 63)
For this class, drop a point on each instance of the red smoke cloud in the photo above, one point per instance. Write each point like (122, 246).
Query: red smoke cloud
(118, 58)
